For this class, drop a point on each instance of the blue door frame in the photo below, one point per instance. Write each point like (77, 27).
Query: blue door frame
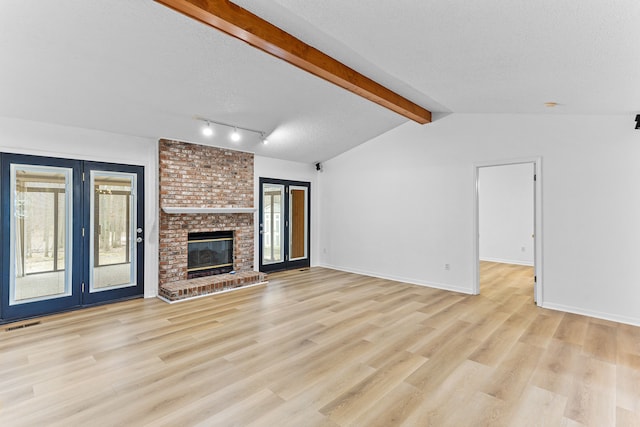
(286, 263)
(79, 294)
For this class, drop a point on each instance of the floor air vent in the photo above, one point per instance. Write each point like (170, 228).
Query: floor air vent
(25, 325)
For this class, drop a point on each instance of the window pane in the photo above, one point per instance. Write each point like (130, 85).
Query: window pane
(41, 197)
(298, 229)
(272, 225)
(112, 236)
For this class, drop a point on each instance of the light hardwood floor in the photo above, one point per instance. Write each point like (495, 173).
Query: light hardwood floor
(325, 348)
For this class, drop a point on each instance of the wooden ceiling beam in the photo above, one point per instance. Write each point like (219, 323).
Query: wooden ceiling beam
(244, 25)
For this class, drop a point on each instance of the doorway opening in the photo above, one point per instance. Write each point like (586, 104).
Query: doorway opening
(508, 226)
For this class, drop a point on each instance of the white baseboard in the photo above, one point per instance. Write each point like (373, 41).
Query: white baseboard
(507, 261)
(408, 280)
(634, 321)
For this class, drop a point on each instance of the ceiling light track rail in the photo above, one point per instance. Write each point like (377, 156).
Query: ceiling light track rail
(235, 136)
(215, 122)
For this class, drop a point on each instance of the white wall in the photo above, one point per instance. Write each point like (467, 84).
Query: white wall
(27, 137)
(265, 167)
(401, 206)
(505, 198)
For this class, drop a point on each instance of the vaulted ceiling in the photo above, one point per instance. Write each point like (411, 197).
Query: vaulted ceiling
(137, 67)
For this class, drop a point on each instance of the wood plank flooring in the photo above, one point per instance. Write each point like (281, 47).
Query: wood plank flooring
(325, 348)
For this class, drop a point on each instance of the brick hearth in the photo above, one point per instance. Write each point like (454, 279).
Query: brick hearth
(185, 289)
(197, 176)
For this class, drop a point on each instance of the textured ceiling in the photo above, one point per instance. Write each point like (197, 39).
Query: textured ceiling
(136, 67)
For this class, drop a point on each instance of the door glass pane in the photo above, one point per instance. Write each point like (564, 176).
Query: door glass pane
(113, 234)
(273, 223)
(40, 233)
(298, 223)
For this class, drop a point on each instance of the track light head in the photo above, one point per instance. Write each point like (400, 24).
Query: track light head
(638, 121)
(207, 130)
(235, 135)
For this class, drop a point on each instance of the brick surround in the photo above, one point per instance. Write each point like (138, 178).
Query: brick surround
(194, 175)
(207, 177)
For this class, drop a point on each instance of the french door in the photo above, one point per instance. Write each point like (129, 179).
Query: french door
(284, 224)
(71, 234)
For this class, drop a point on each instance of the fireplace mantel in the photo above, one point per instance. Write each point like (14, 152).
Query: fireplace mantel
(186, 210)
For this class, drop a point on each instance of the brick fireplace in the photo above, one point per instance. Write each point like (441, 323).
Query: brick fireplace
(198, 186)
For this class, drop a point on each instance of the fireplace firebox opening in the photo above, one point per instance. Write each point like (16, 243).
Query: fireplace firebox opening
(209, 253)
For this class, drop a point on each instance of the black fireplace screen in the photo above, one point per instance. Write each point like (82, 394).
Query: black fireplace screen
(210, 253)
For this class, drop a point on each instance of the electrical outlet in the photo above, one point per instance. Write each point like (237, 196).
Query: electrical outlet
(447, 267)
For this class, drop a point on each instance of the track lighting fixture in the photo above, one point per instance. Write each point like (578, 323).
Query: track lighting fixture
(207, 130)
(235, 136)
(638, 121)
